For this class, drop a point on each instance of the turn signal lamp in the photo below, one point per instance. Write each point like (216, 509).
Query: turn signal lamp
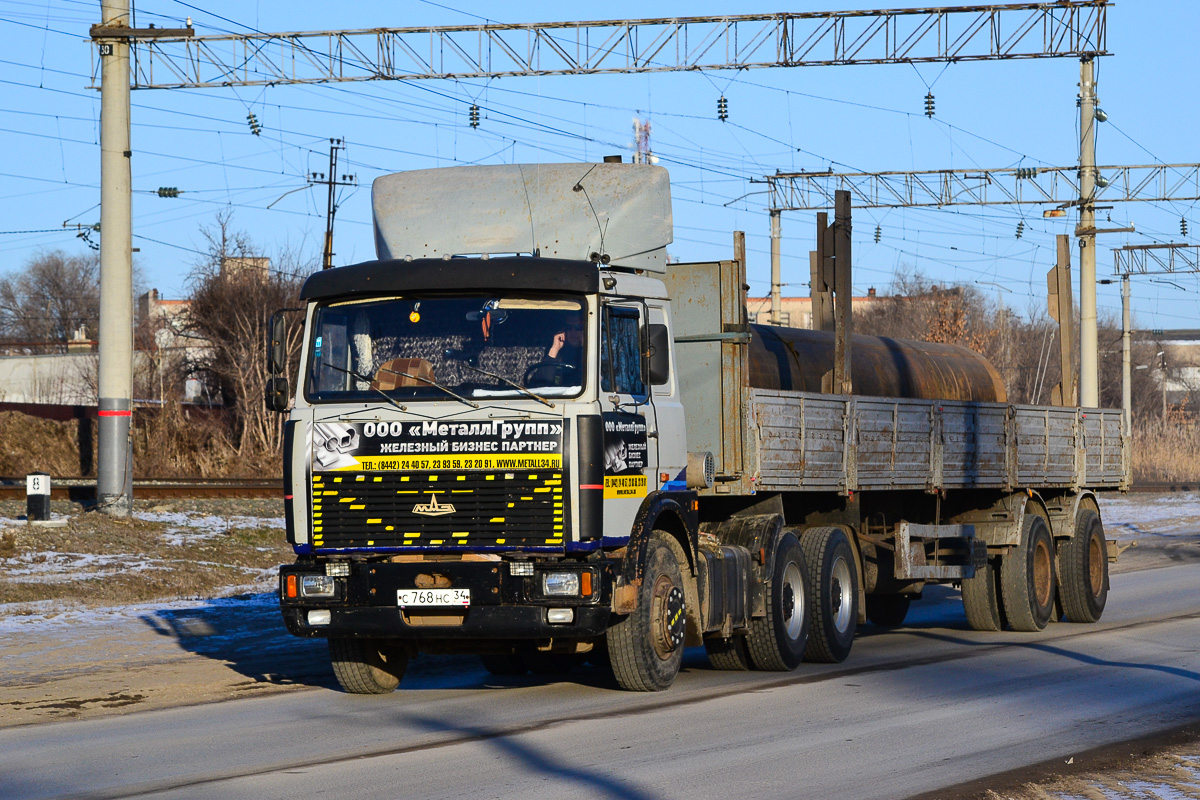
(290, 590)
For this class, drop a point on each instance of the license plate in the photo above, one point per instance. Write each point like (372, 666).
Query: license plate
(433, 597)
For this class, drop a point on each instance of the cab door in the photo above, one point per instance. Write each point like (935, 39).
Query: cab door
(629, 426)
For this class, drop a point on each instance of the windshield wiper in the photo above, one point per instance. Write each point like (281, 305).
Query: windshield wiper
(368, 381)
(432, 383)
(513, 384)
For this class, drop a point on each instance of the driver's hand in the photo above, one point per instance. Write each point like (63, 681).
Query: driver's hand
(557, 343)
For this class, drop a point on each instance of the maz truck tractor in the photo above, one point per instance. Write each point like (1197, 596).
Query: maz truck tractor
(523, 433)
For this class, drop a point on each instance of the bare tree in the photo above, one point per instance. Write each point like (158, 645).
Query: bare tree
(233, 298)
(48, 301)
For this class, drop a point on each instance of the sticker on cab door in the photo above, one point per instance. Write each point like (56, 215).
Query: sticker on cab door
(625, 447)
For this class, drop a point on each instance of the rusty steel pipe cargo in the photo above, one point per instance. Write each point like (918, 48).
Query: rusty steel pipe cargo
(794, 359)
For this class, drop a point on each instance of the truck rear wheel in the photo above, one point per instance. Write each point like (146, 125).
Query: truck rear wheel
(364, 666)
(1083, 561)
(981, 599)
(1027, 577)
(645, 648)
(887, 610)
(832, 594)
(728, 654)
(778, 640)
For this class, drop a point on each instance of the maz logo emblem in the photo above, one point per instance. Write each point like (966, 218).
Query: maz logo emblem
(433, 508)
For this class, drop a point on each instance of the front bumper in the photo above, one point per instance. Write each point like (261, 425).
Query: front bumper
(503, 606)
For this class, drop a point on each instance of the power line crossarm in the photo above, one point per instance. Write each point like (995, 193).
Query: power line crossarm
(974, 33)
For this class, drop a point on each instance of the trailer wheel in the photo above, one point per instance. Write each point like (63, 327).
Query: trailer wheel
(645, 648)
(728, 654)
(832, 594)
(504, 663)
(981, 599)
(364, 666)
(1027, 577)
(1083, 561)
(887, 610)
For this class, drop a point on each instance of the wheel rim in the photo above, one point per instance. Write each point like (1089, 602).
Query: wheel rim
(1096, 556)
(839, 594)
(792, 600)
(1043, 582)
(667, 617)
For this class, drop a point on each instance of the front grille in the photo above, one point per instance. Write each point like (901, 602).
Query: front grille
(442, 509)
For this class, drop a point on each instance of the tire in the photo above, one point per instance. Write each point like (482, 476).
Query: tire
(728, 654)
(1027, 580)
(778, 640)
(363, 666)
(504, 663)
(832, 594)
(1083, 569)
(645, 648)
(887, 610)
(981, 598)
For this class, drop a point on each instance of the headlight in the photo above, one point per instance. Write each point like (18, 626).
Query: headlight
(317, 586)
(560, 584)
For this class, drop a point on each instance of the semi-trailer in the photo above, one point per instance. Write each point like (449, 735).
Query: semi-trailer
(523, 432)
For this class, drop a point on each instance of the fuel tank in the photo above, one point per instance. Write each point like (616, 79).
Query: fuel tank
(795, 359)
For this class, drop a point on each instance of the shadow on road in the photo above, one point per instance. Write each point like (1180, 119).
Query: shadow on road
(246, 633)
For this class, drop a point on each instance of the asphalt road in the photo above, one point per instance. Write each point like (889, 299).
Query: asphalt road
(930, 705)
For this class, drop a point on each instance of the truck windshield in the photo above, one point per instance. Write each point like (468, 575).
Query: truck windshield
(426, 348)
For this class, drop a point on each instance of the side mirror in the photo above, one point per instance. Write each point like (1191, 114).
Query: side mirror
(277, 344)
(278, 394)
(660, 354)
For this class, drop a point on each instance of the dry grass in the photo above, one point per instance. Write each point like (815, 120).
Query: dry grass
(1166, 452)
(96, 560)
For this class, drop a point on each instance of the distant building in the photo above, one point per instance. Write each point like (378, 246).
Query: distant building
(245, 267)
(796, 312)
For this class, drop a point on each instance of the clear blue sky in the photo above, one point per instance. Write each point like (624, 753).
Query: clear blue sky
(869, 118)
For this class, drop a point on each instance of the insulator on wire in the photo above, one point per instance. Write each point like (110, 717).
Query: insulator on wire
(722, 108)
(252, 121)
(473, 115)
(929, 104)
(168, 191)
(878, 234)
(1026, 172)
(1020, 229)
(1183, 226)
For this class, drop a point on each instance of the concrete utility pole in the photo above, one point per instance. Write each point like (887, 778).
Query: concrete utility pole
(1089, 376)
(114, 465)
(114, 469)
(1126, 356)
(775, 275)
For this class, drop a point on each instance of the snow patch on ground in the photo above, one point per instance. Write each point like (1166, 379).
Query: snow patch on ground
(188, 528)
(1150, 515)
(51, 614)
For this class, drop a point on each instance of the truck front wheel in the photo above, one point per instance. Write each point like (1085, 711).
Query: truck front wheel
(777, 641)
(833, 594)
(645, 648)
(365, 666)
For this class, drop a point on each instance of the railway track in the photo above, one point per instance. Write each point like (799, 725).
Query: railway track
(84, 490)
